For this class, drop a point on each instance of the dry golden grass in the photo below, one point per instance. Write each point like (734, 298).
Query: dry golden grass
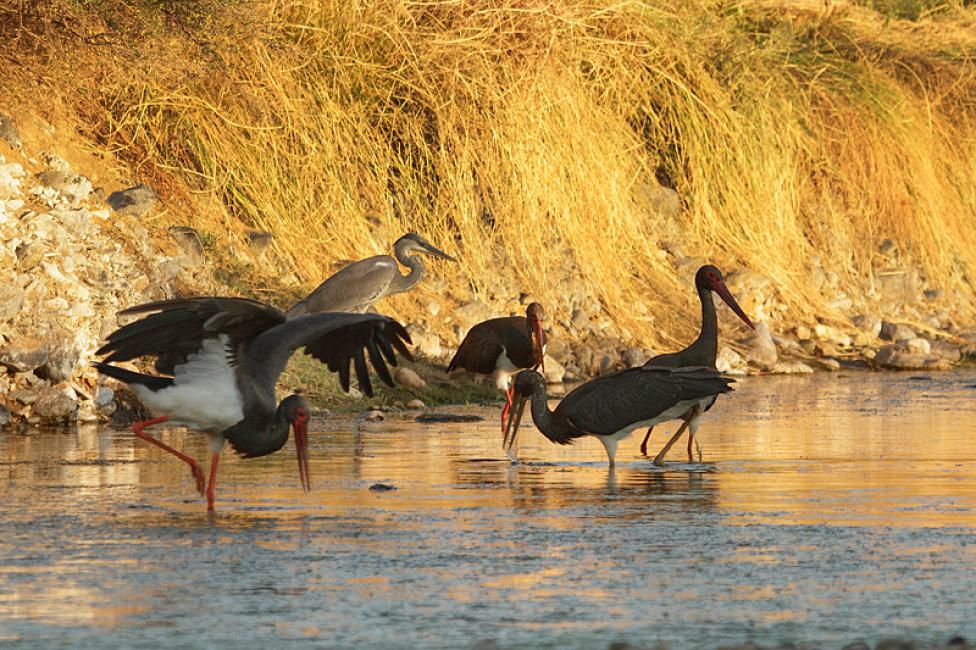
(522, 134)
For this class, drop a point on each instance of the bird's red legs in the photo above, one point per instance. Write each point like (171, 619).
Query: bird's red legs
(138, 427)
(212, 483)
(659, 459)
(695, 413)
(508, 405)
(644, 444)
(691, 442)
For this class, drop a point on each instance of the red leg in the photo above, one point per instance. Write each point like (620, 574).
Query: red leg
(212, 484)
(691, 441)
(507, 407)
(138, 427)
(644, 444)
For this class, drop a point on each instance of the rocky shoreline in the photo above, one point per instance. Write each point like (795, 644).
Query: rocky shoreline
(72, 255)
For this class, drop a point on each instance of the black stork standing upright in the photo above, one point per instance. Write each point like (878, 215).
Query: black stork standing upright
(612, 406)
(701, 352)
(225, 355)
(502, 347)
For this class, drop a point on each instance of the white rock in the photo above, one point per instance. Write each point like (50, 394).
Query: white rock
(729, 361)
(829, 363)
(416, 404)
(918, 345)
(373, 416)
(555, 371)
(104, 396)
(761, 350)
(409, 378)
(791, 368)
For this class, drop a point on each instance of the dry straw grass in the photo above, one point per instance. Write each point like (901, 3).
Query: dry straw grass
(522, 134)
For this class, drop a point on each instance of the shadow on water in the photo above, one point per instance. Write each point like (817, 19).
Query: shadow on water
(828, 508)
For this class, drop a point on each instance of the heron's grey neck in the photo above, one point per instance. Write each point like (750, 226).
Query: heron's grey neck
(705, 348)
(415, 264)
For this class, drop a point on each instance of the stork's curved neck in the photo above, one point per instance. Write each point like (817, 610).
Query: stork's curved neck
(412, 262)
(259, 435)
(541, 415)
(705, 348)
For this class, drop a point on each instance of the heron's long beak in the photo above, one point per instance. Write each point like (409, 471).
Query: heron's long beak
(512, 426)
(301, 446)
(726, 295)
(433, 250)
(537, 332)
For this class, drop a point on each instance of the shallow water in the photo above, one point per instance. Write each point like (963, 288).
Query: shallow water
(828, 508)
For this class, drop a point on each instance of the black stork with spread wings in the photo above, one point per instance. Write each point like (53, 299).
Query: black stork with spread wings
(225, 355)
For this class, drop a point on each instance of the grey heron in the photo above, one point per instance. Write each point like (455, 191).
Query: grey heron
(357, 286)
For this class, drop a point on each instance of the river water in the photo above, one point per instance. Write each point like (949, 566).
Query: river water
(827, 508)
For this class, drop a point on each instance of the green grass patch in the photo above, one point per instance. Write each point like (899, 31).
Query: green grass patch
(321, 388)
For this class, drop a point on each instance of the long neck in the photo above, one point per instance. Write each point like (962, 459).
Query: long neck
(412, 262)
(543, 417)
(259, 435)
(705, 348)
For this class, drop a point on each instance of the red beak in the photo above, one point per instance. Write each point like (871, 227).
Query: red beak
(723, 291)
(301, 446)
(537, 331)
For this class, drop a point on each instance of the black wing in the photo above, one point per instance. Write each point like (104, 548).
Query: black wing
(608, 404)
(335, 339)
(174, 329)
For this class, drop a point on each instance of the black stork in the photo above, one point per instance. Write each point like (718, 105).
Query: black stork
(612, 406)
(226, 355)
(701, 352)
(502, 347)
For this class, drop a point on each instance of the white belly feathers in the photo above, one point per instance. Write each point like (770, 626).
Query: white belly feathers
(204, 395)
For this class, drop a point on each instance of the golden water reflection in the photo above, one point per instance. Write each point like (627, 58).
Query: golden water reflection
(97, 527)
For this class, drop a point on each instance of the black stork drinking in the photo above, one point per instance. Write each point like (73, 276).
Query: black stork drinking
(227, 354)
(701, 352)
(612, 406)
(502, 347)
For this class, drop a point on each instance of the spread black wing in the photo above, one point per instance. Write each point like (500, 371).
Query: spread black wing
(336, 339)
(174, 329)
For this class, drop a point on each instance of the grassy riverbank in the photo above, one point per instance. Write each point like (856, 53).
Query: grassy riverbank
(530, 139)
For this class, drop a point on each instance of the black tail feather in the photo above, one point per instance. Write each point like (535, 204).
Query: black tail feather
(130, 377)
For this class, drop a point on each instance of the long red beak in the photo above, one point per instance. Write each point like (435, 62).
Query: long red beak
(726, 295)
(301, 446)
(537, 331)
